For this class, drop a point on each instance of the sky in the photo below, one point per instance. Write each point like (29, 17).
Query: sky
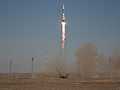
(33, 27)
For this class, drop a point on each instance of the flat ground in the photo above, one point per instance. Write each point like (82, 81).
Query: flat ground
(54, 83)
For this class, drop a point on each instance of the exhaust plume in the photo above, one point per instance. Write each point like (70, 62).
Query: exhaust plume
(63, 34)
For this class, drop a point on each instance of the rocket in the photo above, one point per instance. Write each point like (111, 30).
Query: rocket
(63, 17)
(63, 28)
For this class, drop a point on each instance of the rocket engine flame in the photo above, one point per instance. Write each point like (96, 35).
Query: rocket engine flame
(63, 33)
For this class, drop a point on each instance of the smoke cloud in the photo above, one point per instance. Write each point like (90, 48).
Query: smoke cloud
(86, 60)
(116, 62)
(57, 62)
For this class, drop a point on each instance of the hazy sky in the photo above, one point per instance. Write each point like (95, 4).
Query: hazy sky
(31, 27)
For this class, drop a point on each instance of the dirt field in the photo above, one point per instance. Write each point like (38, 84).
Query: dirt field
(53, 83)
(59, 84)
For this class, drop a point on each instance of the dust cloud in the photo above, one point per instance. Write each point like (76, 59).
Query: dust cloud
(116, 62)
(86, 60)
(86, 63)
(58, 61)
